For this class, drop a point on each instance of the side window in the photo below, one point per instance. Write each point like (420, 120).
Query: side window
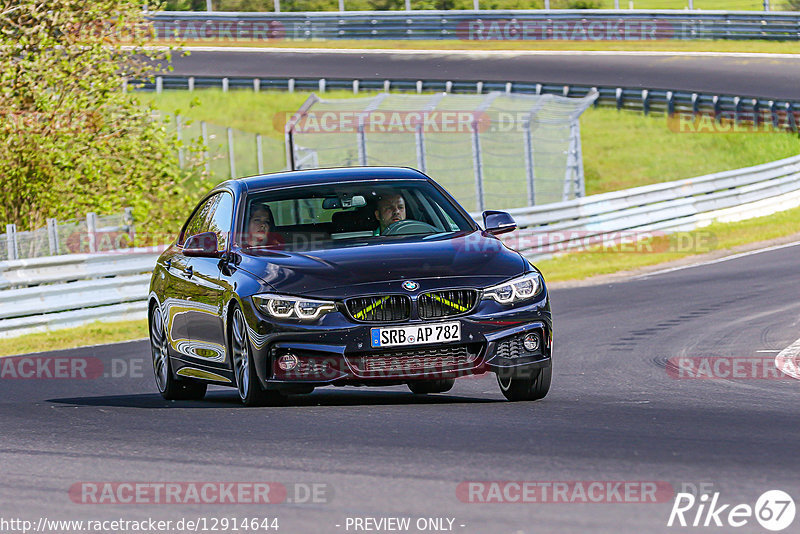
(199, 222)
(221, 218)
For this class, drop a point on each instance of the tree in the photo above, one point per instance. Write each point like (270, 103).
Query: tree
(71, 140)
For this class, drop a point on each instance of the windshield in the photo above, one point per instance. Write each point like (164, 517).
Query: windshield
(321, 216)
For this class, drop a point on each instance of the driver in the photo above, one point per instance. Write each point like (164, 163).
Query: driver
(391, 208)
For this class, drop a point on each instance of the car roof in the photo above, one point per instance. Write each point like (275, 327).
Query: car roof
(326, 176)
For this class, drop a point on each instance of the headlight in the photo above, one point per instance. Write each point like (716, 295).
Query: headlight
(283, 307)
(515, 290)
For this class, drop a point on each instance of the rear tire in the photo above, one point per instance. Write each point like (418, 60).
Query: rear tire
(527, 389)
(169, 387)
(423, 387)
(244, 371)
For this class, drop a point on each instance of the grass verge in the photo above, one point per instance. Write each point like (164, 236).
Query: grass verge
(91, 334)
(660, 45)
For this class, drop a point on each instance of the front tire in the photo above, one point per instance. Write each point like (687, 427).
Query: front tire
(423, 387)
(244, 371)
(169, 387)
(526, 389)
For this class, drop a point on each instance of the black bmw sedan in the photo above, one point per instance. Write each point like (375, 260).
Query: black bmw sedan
(365, 276)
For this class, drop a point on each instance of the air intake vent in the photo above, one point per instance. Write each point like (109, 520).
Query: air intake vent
(380, 309)
(445, 303)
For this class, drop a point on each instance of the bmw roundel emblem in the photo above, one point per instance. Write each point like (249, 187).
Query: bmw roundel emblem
(410, 285)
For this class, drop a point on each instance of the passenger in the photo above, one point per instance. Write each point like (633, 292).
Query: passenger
(260, 228)
(391, 208)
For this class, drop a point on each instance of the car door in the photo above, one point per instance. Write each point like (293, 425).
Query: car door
(183, 297)
(206, 325)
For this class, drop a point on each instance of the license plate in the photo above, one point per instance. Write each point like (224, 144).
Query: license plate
(416, 335)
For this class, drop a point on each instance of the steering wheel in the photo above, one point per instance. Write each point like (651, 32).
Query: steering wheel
(409, 226)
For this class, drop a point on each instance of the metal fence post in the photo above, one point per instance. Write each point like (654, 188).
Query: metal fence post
(477, 165)
(259, 154)
(91, 231)
(11, 235)
(645, 101)
(206, 155)
(573, 176)
(419, 137)
(580, 182)
(737, 102)
(128, 218)
(225, 82)
(179, 127)
(529, 170)
(362, 142)
(231, 154)
(756, 113)
(191, 83)
(52, 236)
(277, 6)
(790, 117)
(159, 84)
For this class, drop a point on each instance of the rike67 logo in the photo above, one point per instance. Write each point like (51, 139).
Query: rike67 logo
(774, 510)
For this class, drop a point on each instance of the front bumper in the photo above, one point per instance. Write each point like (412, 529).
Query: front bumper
(337, 351)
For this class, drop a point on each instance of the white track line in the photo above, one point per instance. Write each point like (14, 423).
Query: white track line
(719, 260)
(439, 52)
(786, 361)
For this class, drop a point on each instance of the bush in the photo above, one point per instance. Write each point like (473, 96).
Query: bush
(71, 140)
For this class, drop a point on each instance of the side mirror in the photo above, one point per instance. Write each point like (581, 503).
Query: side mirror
(498, 222)
(202, 246)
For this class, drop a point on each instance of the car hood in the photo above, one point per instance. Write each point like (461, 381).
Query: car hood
(471, 259)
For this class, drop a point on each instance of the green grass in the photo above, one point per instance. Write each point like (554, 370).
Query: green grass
(621, 149)
(716, 237)
(669, 45)
(627, 149)
(91, 334)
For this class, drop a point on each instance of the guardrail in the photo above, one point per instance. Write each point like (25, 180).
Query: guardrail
(55, 292)
(480, 25)
(62, 291)
(783, 114)
(668, 207)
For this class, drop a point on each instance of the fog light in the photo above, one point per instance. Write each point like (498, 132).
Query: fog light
(287, 362)
(531, 342)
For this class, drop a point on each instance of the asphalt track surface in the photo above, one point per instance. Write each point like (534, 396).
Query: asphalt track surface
(748, 76)
(614, 414)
